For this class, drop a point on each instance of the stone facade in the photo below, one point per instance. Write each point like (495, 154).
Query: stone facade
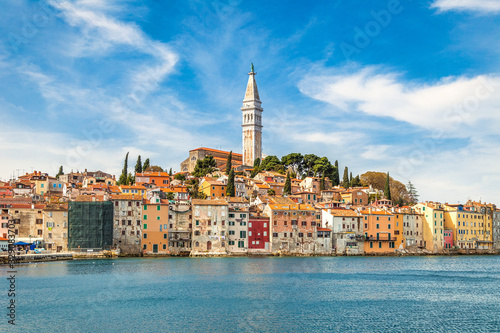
(127, 218)
(55, 227)
(252, 122)
(496, 229)
(293, 228)
(209, 227)
(237, 231)
(180, 229)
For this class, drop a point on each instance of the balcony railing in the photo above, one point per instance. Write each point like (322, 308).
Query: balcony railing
(386, 238)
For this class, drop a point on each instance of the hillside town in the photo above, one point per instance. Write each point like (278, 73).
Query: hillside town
(223, 203)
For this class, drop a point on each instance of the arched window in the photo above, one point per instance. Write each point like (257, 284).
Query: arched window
(223, 244)
(197, 244)
(209, 245)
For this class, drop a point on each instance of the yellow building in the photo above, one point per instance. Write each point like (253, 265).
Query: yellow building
(433, 225)
(469, 227)
(212, 188)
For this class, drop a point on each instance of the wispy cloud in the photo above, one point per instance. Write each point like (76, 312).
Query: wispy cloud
(484, 6)
(450, 105)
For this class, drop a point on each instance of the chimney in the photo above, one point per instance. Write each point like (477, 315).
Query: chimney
(370, 210)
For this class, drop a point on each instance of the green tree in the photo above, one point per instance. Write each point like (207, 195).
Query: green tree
(130, 179)
(336, 175)
(309, 162)
(230, 190)
(294, 161)
(123, 177)
(146, 164)
(204, 166)
(345, 181)
(229, 162)
(271, 192)
(287, 190)
(270, 163)
(356, 182)
(350, 179)
(256, 168)
(60, 173)
(412, 193)
(170, 172)
(322, 183)
(138, 165)
(194, 191)
(170, 196)
(154, 168)
(387, 190)
(180, 176)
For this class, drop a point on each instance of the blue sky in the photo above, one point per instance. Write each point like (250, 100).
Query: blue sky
(410, 87)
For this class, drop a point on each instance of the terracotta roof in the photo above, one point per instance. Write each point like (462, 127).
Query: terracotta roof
(26, 206)
(378, 212)
(202, 202)
(342, 212)
(324, 229)
(216, 150)
(132, 187)
(3, 239)
(126, 197)
(291, 207)
(89, 198)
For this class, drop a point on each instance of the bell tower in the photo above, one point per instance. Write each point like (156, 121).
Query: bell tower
(252, 122)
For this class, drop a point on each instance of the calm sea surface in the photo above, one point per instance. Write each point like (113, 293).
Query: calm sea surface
(356, 294)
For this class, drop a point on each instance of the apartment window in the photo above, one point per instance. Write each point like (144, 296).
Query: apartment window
(145, 226)
(158, 207)
(275, 234)
(366, 225)
(377, 218)
(240, 244)
(379, 245)
(196, 233)
(145, 217)
(308, 235)
(145, 207)
(377, 226)
(250, 233)
(285, 234)
(40, 232)
(243, 234)
(197, 222)
(145, 247)
(275, 223)
(388, 226)
(50, 214)
(304, 223)
(123, 232)
(209, 232)
(371, 245)
(138, 222)
(301, 234)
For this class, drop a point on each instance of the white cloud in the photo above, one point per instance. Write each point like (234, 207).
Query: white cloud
(451, 105)
(486, 6)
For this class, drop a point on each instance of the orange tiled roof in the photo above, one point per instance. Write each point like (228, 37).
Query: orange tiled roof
(216, 150)
(126, 197)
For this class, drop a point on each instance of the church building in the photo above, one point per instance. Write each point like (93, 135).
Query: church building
(251, 130)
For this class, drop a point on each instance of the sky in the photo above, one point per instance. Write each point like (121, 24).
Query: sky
(400, 86)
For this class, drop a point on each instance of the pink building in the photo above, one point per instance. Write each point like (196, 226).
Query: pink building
(448, 239)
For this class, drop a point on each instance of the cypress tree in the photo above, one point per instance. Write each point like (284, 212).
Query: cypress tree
(350, 179)
(60, 172)
(130, 179)
(146, 164)
(229, 162)
(138, 165)
(322, 183)
(336, 175)
(123, 177)
(230, 190)
(170, 172)
(387, 190)
(287, 190)
(345, 181)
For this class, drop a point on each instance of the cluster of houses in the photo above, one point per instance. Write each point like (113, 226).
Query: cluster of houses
(158, 216)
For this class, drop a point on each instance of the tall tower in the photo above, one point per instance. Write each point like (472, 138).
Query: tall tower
(252, 122)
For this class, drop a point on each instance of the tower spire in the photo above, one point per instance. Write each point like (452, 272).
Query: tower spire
(252, 121)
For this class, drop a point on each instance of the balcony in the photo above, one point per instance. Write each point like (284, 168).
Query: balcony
(383, 238)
